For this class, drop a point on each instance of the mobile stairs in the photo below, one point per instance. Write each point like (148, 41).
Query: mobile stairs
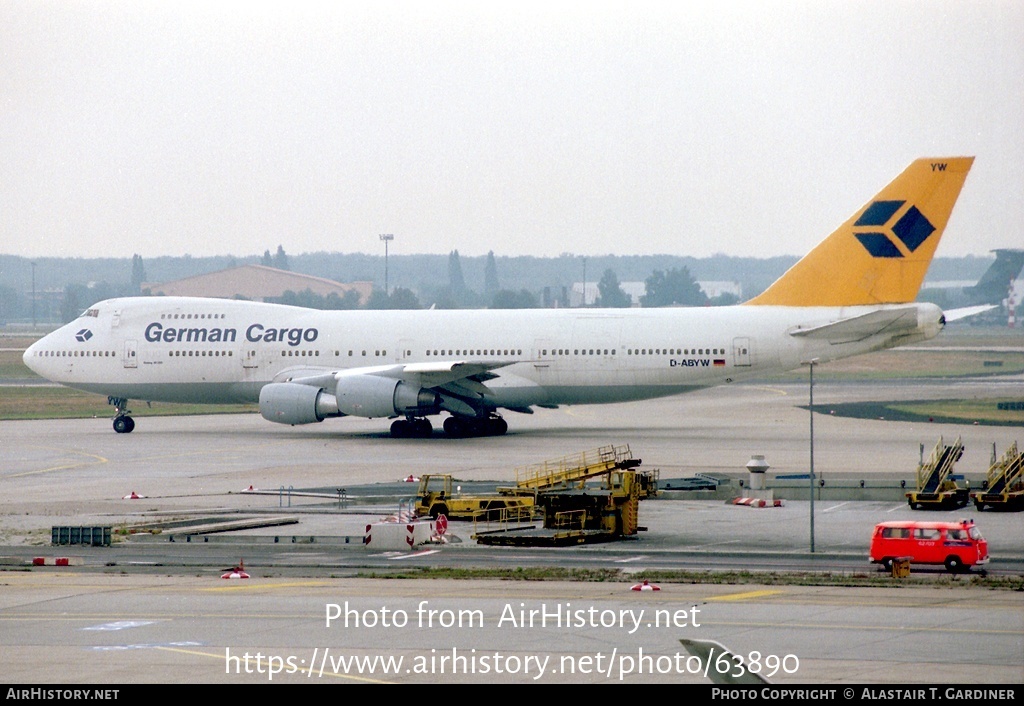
(937, 489)
(1004, 486)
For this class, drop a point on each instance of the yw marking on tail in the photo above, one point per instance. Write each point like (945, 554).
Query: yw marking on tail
(938, 166)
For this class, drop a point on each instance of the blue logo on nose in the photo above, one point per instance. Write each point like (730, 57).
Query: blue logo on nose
(911, 229)
(83, 335)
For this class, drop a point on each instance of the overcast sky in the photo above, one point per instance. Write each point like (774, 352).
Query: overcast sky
(171, 128)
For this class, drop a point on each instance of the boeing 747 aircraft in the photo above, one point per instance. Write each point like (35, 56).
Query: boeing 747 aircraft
(851, 294)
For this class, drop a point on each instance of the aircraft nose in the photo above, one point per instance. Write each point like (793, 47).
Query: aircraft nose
(28, 356)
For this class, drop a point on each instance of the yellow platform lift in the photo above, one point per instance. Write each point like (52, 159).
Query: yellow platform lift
(587, 497)
(435, 497)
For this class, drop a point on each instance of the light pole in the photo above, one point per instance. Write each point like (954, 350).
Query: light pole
(810, 365)
(584, 281)
(33, 296)
(387, 238)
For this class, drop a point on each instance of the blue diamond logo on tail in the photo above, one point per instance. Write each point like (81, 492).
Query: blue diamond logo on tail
(911, 229)
(83, 335)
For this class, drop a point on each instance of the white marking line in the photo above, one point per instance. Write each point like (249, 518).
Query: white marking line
(715, 544)
(835, 507)
(416, 554)
(629, 559)
(121, 625)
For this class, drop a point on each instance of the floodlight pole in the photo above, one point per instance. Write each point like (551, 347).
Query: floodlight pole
(387, 238)
(584, 281)
(810, 365)
(33, 296)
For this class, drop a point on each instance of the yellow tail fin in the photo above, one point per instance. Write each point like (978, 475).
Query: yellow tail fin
(880, 255)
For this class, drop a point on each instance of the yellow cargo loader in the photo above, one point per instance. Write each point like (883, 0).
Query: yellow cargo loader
(435, 498)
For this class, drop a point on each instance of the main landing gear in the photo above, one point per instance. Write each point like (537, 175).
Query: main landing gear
(123, 424)
(412, 428)
(462, 427)
(456, 427)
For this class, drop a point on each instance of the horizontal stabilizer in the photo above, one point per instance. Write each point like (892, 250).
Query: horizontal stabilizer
(723, 667)
(967, 311)
(857, 328)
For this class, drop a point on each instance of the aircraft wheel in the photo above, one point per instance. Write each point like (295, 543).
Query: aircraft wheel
(123, 424)
(454, 427)
(400, 429)
(497, 426)
(422, 428)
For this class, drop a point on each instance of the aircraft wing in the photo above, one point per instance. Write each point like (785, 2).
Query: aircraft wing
(723, 667)
(458, 377)
(857, 328)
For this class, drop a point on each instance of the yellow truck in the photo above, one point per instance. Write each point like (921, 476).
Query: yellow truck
(435, 497)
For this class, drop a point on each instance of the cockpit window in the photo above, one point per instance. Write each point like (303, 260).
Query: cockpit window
(94, 313)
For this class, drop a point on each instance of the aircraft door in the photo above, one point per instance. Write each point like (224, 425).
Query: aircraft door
(543, 352)
(249, 358)
(131, 354)
(405, 350)
(742, 352)
(544, 356)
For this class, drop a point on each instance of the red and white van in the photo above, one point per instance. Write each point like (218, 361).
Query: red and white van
(957, 545)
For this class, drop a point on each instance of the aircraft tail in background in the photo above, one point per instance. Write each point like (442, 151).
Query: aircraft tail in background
(995, 283)
(881, 254)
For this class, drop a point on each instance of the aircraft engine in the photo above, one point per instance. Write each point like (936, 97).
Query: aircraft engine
(291, 403)
(374, 396)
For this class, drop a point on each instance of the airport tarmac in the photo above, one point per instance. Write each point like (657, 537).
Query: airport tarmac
(66, 625)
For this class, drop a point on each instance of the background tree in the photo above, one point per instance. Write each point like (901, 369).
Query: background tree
(311, 300)
(507, 299)
(10, 304)
(724, 299)
(399, 298)
(138, 274)
(609, 292)
(491, 285)
(78, 297)
(456, 281)
(280, 259)
(457, 292)
(676, 287)
(268, 260)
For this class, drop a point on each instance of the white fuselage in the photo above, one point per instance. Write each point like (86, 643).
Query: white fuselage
(219, 351)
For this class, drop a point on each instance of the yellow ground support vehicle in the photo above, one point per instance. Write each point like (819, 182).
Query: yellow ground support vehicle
(435, 497)
(937, 488)
(1004, 487)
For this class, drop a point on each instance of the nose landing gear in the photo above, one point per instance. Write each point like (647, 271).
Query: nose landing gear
(123, 424)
